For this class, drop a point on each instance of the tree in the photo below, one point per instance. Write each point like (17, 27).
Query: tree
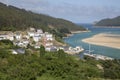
(61, 53)
(42, 50)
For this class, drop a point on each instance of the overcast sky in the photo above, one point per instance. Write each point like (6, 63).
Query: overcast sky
(78, 11)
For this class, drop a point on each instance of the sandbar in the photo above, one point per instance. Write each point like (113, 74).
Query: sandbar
(104, 39)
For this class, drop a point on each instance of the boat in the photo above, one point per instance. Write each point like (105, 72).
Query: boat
(96, 56)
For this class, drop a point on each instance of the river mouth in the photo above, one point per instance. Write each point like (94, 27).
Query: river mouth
(76, 40)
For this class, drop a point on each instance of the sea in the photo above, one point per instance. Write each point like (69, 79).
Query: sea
(76, 40)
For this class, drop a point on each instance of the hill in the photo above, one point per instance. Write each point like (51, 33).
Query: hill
(114, 22)
(13, 18)
(42, 65)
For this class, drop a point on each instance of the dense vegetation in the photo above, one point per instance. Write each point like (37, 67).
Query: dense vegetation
(13, 18)
(111, 69)
(54, 66)
(51, 66)
(114, 22)
(6, 44)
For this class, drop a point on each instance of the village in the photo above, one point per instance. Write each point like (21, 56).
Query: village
(35, 38)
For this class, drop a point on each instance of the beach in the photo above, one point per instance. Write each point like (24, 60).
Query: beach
(104, 39)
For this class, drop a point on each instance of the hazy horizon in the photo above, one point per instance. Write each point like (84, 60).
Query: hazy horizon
(76, 11)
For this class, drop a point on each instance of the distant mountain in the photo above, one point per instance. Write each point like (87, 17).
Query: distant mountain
(13, 18)
(114, 22)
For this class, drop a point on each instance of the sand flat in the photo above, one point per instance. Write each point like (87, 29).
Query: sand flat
(104, 39)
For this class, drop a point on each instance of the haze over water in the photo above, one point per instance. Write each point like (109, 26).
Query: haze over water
(75, 40)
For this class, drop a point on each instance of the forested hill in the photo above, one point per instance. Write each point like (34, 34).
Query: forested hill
(13, 18)
(114, 22)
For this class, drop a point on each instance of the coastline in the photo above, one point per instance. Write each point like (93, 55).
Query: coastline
(72, 33)
(107, 26)
(76, 32)
(104, 39)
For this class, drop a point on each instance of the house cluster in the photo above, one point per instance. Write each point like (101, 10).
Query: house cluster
(40, 38)
(33, 37)
(6, 35)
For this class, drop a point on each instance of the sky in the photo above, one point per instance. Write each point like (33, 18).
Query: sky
(78, 11)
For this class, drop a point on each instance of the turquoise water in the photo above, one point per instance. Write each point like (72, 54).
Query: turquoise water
(75, 40)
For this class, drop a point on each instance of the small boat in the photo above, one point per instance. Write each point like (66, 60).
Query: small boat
(96, 56)
(89, 51)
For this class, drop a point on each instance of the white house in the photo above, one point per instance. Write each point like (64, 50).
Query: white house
(18, 51)
(26, 36)
(49, 37)
(6, 35)
(22, 43)
(36, 34)
(2, 37)
(32, 29)
(11, 38)
(51, 48)
(47, 48)
(42, 34)
(36, 38)
(36, 46)
(25, 41)
(60, 48)
(40, 31)
(48, 44)
(14, 52)
(31, 33)
(18, 36)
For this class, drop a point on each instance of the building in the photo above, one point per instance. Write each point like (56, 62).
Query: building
(47, 48)
(49, 37)
(32, 29)
(36, 38)
(10, 36)
(51, 48)
(42, 34)
(14, 52)
(22, 43)
(3, 36)
(26, 37)
(48, 44)
(40, 31)
(25, 41)
(6, 35)
(36, 46)
(18, 35)
(18, 43)
(18, 51)
(31, 33)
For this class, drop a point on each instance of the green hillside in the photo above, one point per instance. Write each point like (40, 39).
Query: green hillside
(54, 66)
(12, 18)
(114, 22)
